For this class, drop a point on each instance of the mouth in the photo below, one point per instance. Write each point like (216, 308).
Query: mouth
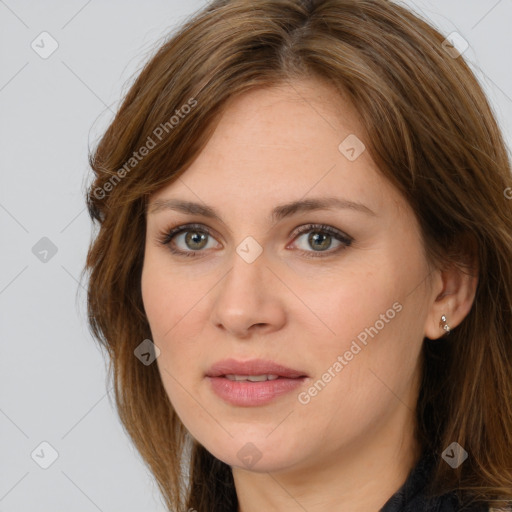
(252, 383)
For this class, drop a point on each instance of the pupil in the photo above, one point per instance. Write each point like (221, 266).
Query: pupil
(196, 238)
(314, 238)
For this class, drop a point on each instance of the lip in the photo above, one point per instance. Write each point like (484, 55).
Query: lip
(251, 394)
(252, 367)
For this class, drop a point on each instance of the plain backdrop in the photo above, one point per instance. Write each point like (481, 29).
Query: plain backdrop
(55, 101)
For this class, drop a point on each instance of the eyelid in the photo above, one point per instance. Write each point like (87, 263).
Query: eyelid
(165, 236)
(344, 239)
(319, 227)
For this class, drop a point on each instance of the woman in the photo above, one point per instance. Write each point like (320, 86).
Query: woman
(303, 271)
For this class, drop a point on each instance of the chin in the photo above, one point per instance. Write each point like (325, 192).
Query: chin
(258, 453)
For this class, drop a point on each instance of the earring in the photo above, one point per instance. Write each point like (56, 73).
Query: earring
(444, 325)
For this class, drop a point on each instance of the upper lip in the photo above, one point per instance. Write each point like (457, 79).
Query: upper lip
(252, 367)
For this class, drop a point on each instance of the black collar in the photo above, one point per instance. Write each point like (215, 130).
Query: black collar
(413, 495)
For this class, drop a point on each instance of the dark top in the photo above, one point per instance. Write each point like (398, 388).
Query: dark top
(412, 496)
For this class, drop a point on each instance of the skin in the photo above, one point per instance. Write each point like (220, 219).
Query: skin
(352, 445)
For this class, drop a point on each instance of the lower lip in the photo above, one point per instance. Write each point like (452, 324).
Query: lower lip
(250, 394)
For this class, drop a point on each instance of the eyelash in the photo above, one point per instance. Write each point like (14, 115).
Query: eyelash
(165, 238)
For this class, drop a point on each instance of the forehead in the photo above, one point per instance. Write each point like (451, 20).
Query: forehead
(293, 116)
(279, 144)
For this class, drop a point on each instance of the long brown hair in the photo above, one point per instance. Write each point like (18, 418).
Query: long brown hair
(432, 133)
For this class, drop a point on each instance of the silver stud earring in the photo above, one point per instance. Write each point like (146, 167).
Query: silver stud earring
(444, 325)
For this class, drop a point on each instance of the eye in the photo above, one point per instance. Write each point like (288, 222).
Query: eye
(321, 238)
(192, 237)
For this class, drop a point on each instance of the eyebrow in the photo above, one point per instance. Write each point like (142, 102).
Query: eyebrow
(278, 213)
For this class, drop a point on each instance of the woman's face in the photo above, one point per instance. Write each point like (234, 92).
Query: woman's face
(344, 305)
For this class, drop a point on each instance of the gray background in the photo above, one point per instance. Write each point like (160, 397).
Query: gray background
(52, 375)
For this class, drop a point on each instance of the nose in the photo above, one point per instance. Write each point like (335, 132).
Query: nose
(249, 299)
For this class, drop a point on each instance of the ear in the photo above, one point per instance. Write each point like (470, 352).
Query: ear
(453, 293)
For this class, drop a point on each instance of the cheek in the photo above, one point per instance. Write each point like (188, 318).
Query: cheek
(173, 319)
(168, 297)
(375, 319)
(157, 300)
(347, 303)
(176, 311)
